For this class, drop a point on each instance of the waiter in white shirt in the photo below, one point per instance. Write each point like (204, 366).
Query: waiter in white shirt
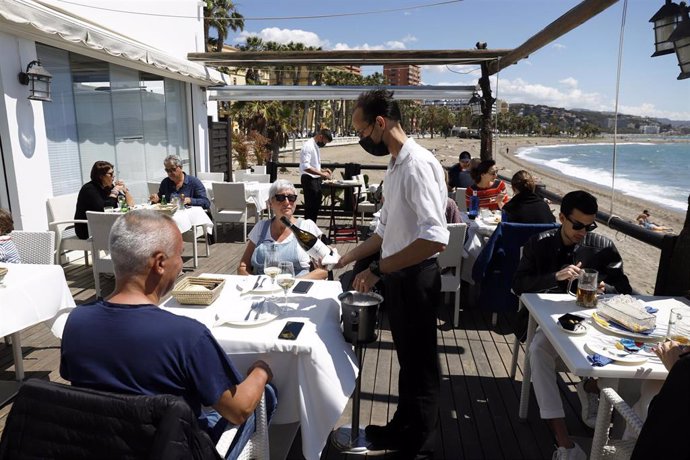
(410, 234)
(312, 174)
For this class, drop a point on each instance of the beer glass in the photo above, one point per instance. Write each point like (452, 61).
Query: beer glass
(587, 284)
(679, 325)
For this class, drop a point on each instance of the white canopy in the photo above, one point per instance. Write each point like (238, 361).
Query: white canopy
(56, 27)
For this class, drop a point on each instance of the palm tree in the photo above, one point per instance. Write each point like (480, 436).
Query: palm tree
(220, 15)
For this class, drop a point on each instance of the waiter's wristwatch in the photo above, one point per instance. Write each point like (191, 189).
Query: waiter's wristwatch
(375, 269)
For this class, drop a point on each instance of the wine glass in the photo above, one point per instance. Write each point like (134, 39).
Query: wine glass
(121, 201)
(286, 278)
(271, 264)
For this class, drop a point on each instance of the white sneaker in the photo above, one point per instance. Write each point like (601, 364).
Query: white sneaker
(589, 403)
(574, 453)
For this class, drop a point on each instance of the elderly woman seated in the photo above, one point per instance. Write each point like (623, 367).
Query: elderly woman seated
(272, 233)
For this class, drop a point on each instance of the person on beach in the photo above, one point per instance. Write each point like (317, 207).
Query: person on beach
(489, 188)
(526, 207)
(128, 344)
(410, 233)
(643, 220)
(8, 250)
(459, 173)
(311, 173)
(549, 261)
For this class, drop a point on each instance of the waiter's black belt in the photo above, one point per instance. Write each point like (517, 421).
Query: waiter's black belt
(416, 268)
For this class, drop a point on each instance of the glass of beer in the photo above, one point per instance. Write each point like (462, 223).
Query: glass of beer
(587, 284)
(679, 325)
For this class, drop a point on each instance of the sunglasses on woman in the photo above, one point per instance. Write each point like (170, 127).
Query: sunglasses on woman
(577, 226)
(290, 198)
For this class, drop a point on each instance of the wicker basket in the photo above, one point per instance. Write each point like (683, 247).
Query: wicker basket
(3, 272)
(168, 209)
(189, 290)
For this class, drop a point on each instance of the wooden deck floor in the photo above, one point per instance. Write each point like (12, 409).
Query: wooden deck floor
(479, 400)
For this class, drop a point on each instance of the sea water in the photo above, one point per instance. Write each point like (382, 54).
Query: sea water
(656, 172)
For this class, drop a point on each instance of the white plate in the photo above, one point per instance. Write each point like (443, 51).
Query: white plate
(237, 314)
(653, 337)
(247, 287)
(580, 329)
(610, 351)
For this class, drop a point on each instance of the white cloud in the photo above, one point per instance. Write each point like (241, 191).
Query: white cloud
(389, 45)
(558, 46)
(407, 13)
(647, 109)
(570, 81)
(408, 39)
(470, 70)
(275, 34)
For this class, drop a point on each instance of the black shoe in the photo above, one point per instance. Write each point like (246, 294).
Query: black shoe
(211, 238)
(386, 436)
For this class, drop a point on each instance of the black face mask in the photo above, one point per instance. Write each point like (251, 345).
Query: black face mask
(321, 144)
(372, 148)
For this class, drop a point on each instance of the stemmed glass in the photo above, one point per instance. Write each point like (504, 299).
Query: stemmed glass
(286, 278)
(271, 267)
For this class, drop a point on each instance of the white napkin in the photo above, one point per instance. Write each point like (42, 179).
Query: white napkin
(330, 260)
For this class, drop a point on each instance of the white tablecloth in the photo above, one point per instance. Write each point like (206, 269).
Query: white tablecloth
(315, 374)
(31, 294)
(545, 309)
(478, 231)
(191, 217)
(255, 192)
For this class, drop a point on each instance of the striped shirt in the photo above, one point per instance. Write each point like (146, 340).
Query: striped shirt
(487, 196)
(8, 251)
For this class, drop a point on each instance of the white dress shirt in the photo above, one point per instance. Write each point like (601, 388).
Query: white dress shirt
(414, 203)
(310, 157)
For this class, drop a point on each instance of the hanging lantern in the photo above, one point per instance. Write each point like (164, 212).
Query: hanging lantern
(681, 42)
(38, 80)
(475, 104)
(665, 21)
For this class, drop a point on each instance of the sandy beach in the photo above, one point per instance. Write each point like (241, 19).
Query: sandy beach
(640, 259)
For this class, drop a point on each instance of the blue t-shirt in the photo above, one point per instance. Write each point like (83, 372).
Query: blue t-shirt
(142, 349)
(192, 187)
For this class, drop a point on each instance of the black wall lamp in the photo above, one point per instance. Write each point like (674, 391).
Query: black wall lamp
(475, 104)
(672, 33)
(38, 80)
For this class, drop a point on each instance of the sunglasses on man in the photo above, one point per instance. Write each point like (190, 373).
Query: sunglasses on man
(577, 226)
(290, 198)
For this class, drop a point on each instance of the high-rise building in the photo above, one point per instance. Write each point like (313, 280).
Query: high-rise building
(402, 75)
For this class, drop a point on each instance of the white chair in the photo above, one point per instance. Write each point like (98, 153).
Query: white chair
(230, 205)
(61, 221)
(100, 224)
(604, 447)
(259, 169)
(238, 176)
(211, 176)
(153, 187)
(257, 446)
(261, 178)
(460, 199)
(450, 262)
(35, 247)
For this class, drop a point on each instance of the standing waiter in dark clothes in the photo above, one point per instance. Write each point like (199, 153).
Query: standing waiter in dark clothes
(312, 174)
(410, 234)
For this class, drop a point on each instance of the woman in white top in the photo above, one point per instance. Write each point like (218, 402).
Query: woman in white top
(272, 233)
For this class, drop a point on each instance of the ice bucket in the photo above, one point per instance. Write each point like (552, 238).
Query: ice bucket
(359, 315)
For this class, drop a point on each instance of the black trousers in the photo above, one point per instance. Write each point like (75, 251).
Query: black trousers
(311, 186)
(412, 298)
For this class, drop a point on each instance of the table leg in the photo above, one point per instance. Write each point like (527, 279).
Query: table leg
(332, 231)
(527, 371)
(8, 390)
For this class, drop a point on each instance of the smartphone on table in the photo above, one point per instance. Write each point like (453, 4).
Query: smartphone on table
(291, 330)
(302, 287)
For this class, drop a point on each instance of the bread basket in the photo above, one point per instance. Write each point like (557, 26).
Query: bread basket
(198, 291)
(168, 209)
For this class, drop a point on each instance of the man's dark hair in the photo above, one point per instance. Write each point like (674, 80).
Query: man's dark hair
(482, 168)
(585, 202)
(327, 134)
(378, 102)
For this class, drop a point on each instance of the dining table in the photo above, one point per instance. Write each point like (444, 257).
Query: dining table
(596, 337)
(314, 374)
(30, 294)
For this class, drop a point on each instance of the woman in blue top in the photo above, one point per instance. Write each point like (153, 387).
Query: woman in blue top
(271, 233)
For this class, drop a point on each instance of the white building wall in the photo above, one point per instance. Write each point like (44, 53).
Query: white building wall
(23, 136)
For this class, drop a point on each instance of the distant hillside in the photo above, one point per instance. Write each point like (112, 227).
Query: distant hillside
(572, 119)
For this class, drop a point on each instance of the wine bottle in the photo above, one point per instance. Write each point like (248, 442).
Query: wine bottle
(313, 245)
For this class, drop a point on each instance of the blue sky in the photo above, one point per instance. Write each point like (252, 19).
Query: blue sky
(577, 70)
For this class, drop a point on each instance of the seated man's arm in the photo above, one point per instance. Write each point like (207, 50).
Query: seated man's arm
(527, 276)
(198, 197)
(239, 402)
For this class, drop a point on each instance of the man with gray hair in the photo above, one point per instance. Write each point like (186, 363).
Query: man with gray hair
(180, 183)
(127, 344)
